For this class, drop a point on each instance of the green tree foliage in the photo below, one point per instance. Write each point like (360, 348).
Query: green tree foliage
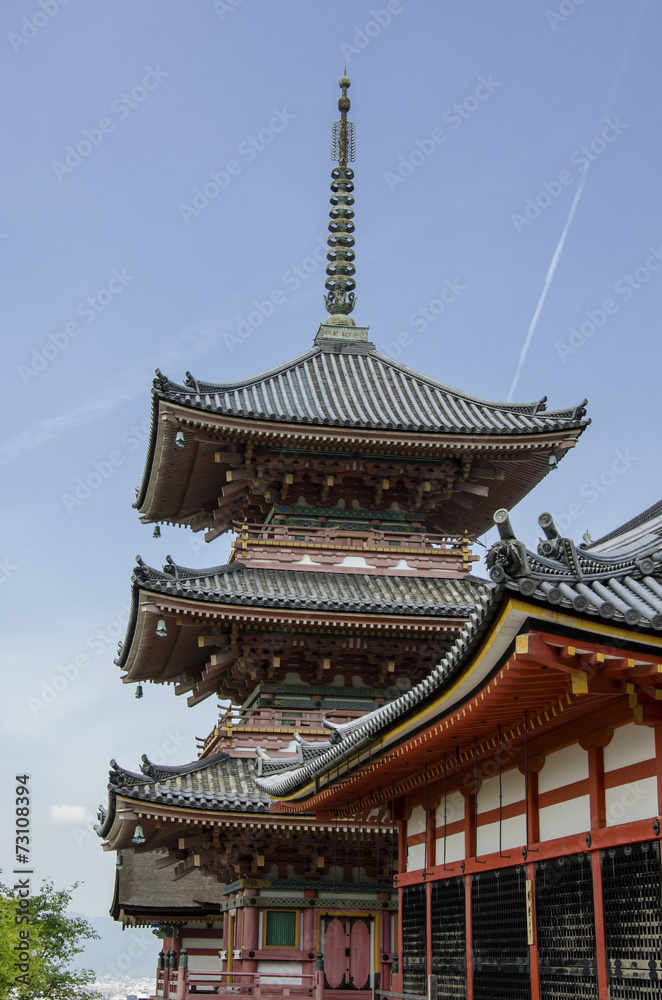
(38, 942)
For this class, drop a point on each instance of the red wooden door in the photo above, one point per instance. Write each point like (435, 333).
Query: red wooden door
(359, 954)
(347, 955)
(335, 946)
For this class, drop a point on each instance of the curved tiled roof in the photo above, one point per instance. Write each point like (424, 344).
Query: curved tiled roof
(624, 585)
(236, 583)
(352, 385)
(648, 522)
(352, 593)
(220, 783)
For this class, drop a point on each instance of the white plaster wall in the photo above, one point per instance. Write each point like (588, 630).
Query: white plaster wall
(266, 965)
(205, 963)
(416, 822)
(513, 834)
(512, 785)
(416, 858)
(454, 848)
(454, 810)
(203, 942)
(565, 818)
(628, 803)
(563, 767)
(630, 744)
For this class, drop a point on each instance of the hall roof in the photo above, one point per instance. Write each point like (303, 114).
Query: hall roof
(649, 522)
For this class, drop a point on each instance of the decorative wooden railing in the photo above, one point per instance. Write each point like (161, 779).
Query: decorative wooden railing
(264, 720)
(329, 547)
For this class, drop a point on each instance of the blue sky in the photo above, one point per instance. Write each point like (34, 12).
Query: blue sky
(471, 118)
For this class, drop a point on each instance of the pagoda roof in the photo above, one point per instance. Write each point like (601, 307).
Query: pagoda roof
(301, 590)
(619, 589)
(353, 385)
(191, 601)
(219, 783)
(341, 396)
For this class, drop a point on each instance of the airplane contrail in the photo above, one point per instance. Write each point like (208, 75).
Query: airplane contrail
(548, 281)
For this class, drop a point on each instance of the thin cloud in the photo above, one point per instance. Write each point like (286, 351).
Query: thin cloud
(69, 815)
(191, 342)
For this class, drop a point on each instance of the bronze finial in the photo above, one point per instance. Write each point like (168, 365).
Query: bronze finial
(340, 270)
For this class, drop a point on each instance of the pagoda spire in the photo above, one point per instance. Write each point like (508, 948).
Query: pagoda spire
(340, 270)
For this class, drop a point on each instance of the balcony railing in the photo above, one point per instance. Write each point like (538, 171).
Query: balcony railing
(256, 722)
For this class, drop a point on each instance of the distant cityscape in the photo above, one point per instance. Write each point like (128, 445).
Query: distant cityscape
(124, 988)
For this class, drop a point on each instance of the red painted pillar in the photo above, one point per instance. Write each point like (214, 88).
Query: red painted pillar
(658, 768)
(596, 787)
(431, 838)
(533, 947)
(309, 937)
(396, 980)
(536, 764)
(469, 797)
(468, 930)
(226, 937)
(385, 942)
(237, 965)
(250, 931)
(598, 909)
(428, 928)
(402, 846)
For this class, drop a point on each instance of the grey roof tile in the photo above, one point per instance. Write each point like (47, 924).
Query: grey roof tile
(352, 385)
(219, 782)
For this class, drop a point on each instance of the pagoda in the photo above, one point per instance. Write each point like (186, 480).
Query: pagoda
(355, 487)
